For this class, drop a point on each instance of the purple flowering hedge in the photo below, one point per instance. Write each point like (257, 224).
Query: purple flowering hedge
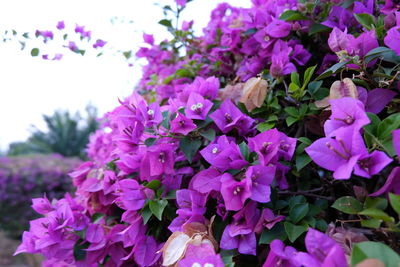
(25, 177)
(272, 139)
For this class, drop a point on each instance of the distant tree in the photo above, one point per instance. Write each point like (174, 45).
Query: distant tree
(66, 134)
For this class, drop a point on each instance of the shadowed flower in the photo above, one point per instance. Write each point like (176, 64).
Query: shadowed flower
(182, 125)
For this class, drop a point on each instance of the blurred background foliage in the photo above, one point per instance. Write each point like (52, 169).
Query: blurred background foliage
(67, 134)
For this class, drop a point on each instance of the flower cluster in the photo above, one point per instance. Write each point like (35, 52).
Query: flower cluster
(25, 177)
(221, 157)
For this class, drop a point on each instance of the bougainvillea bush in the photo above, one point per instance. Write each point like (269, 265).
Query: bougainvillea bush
(25, 177)
(272, 139)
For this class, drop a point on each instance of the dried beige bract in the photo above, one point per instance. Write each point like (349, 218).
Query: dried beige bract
(233, 92)
(194, 233)
(339, 89)
(254, 93)
(371, 263)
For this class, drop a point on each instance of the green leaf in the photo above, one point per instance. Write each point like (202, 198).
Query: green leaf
(227, 257)
(296, 200)
(291, 15)
(183, 73)
(97, 217)
(127, 54)
(307, 76)
(395, 202)
(292, 111)
(154, 184)
(317, 27)
(298, 212)
(301, 161)
(166, 22)
(291, 120)
(244, 149)
(377, 214)
(374, 250)
(314, 86)
(34, 52)
(295, 78)
(157, 207)
(277, 232)
(208, 134)
(166, 122)
(332, 70)
(79, 250)
(150, 141)
(366, 20)
(321, 225)
(348, 205)
(146, 214)
(371, 223)
(189, 147)
(376, 203)
(294, 231)
(387, 126)
(265, 126)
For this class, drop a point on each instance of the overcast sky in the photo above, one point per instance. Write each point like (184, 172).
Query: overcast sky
(30, 87)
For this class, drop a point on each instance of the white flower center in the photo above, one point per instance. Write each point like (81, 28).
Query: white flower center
(196, 264)
(215, 150)
(150, 112)
(208, 265)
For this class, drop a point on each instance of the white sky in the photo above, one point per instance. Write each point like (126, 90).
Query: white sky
(30, 87)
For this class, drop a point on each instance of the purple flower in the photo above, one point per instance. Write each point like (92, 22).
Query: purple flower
(148, 38)
(300, 55)
(287, 146)
(279, 255)
(392, 39)
(322, 251)
(61, 25)
(208, 88)
(261, 177)
(392, 184)
(375, 100)
(224, 154)
(201, 256)
(159, 159)
(72, 46)
(364, 43)
(132, 195)
(181, 3)
(99, 43)
(278, 28)
(347, 112)
(240, 233)
(42, 205)
(234, 192)
(206, 181)
(396, 141)
(191, 209)
(280, 59)
(342, 154)
(371, 164)
(182, 125)
(266, 145)
(228, 117)
(197, 107)
(360, 7)
(267, 220)
(339, 17)
(338, 40)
